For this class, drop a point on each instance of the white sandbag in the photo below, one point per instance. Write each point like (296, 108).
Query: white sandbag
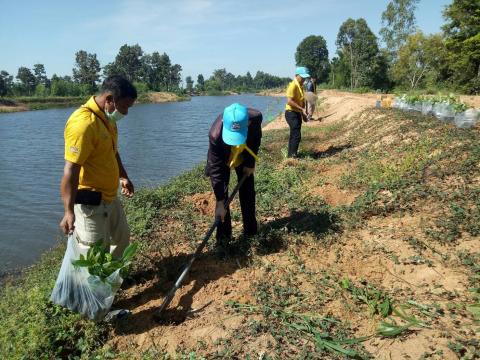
(81, 292)
(467, 118)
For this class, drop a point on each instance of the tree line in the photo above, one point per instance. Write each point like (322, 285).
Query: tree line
(409, 59)
(221, 80)
(148, 71)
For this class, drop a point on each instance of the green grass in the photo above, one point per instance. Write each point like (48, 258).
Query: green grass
(41, 103)
(32, 328)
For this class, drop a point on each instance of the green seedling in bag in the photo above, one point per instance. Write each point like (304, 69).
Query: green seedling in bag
(100, 262)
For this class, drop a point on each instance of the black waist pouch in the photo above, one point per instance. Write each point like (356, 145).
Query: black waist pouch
(88, 197)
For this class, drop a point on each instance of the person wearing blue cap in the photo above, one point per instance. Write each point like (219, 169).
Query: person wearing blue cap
(295, 110)
(234, 140)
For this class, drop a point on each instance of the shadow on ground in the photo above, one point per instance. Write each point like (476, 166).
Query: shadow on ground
(330, 151)
(209, 268)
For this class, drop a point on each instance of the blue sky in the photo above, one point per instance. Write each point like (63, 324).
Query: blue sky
(200, 35)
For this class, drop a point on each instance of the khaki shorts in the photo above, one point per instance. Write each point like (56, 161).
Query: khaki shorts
(311, 102)
(106, 222)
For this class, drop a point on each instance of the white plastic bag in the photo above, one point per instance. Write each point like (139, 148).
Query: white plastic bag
(467, 119)
(81, 292)
(444, 112)
(396, 103)
(427, 107)
(402, 104)
(417, 106)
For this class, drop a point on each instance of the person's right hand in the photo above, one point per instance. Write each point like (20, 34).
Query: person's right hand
(67, 223)
(220, 210)
(304, 115)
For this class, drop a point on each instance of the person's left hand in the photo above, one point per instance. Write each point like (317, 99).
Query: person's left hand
(249, 171)
(127, 187)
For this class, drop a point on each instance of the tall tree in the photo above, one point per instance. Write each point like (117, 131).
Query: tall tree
(40, 74)
(154, 70)
(189, 84)
(127, 63)
(248, 80)
(379, 73)
(6, 83)
(230, 81)
(27, 80)
(462, 34)
(87, 69)
(419, 59)
(200, 83)
(174, 77)
(312, 52)
(219, 76)
(3, 87)
(359, 45)
(164, 67)
(398, 22)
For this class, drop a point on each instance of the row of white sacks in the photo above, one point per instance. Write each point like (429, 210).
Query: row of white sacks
(442, 111)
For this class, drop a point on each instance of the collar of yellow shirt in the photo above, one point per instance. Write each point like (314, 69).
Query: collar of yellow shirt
(300, 87)
(235, 159)
(92, 105)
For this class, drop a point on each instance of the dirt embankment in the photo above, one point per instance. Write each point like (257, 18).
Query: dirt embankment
(377, 218)
(273, 92)
(162, 97)
(335, 105)
(471, 100)
(332, 106)
(11, 106)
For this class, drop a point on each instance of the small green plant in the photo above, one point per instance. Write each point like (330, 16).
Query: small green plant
(101, 263)
(309, 327)
(392, 329)
(377, 301)
(450, 99)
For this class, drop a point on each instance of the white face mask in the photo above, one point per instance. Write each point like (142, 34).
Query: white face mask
(114, 116)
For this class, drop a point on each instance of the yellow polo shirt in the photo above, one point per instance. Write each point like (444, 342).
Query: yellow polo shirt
(91, 141)
(295, 91)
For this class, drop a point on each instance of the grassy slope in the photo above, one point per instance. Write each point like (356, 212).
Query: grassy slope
(39, 103)
(322, 273)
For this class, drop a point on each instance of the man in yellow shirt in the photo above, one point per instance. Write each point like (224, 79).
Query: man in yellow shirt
(93, 169)
(295, 110)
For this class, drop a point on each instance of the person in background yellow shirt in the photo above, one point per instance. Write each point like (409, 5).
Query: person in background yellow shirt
(295, 110)
(93, 169)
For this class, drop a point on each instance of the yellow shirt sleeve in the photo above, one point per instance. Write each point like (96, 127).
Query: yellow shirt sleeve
(291, 90)
(79, 140)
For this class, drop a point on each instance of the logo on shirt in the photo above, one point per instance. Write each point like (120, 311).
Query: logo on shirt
(74, 150)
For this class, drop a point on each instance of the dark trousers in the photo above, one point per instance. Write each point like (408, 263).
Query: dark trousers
(247, 204)
(294, 120)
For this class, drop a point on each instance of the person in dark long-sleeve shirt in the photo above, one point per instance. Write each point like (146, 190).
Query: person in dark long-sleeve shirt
(234, 140)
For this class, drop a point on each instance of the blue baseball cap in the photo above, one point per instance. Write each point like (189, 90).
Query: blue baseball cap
(235, 125)
(302, 71)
